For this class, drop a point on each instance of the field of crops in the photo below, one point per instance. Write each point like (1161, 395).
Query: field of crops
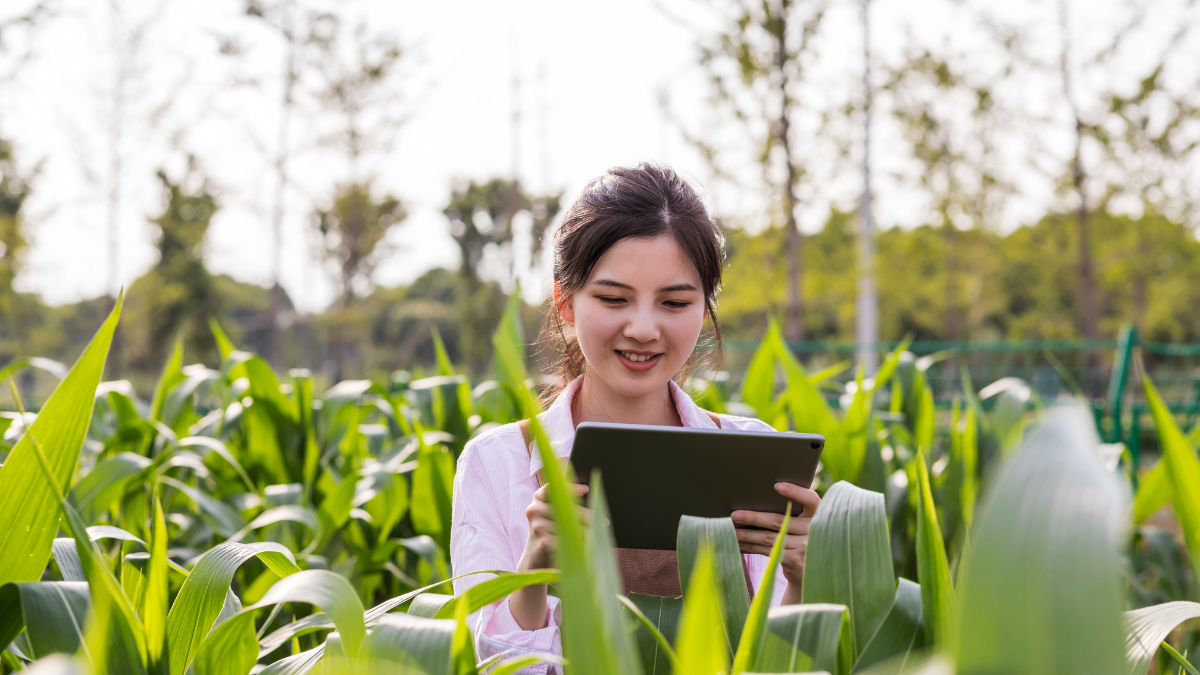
(242, 522)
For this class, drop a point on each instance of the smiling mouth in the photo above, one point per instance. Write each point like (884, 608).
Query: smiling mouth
(638, 358)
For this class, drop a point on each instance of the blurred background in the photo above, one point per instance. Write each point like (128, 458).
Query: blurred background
(331, 181)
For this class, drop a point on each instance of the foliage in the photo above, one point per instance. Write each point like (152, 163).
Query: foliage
(239, 518)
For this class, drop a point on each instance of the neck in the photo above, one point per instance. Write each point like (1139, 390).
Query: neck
(596, 402)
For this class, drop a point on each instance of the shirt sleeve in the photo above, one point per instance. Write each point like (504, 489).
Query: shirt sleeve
(480, 540)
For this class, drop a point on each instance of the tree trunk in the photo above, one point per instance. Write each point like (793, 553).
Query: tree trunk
(794, 323)
(1086, 280)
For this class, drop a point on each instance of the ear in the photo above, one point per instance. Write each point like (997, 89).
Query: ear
(562, 303)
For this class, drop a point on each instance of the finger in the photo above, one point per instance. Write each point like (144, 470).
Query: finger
(757, 549)
(543, 493)
(585, 514)
(767, 538)
(805, 497)
(767, 521)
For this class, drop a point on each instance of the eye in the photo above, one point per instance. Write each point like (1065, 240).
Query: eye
(676, 304)
(609, 300)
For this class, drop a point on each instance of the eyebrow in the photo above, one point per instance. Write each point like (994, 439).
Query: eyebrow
(666, 289)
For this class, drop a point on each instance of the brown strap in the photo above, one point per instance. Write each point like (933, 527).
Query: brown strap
(647, 571)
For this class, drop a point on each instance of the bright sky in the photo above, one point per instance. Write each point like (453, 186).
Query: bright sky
(590, 76)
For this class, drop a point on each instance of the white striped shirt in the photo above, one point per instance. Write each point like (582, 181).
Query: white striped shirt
(494, 485)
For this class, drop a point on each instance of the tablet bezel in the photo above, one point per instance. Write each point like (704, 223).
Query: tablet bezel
(655, 474)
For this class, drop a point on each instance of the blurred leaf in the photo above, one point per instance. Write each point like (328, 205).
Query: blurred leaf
(105, 483)
(157, 597)
(444, 367)
(937, 590)
(1041, 588)
(806, 637)
(658, 619)
(703, 645)
(433, 484)
(487, 592)
(719, 538)
(1153, 492)
(202, 596)
(413, 641)
(1183, 469)
(29, 509)
(849, 559)
(754, 632)
(51, 613)
(1149, 626)
(902, 630)
(606, 580)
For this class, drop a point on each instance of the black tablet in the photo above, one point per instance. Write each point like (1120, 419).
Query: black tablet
(653, 475)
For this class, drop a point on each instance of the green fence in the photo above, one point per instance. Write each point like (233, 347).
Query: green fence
(1100, 371)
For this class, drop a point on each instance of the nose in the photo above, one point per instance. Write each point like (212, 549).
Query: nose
(642, 326)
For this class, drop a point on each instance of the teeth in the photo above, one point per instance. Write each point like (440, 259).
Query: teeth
(638, 358)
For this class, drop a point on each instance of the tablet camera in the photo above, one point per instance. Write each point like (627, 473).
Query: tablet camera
(816, 445)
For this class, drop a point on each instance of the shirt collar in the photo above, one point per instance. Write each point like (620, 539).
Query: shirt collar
(560, 425)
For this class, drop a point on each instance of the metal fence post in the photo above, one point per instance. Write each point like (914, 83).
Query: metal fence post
(1116, 387)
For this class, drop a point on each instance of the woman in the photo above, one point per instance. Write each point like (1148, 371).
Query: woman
(637, 265)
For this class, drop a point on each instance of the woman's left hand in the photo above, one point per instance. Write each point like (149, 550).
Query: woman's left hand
(762, 539)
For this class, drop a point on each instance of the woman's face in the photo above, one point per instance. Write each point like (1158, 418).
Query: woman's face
(639, 315)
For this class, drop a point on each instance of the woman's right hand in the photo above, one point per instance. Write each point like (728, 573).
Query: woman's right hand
(542, 541)
(528, 605)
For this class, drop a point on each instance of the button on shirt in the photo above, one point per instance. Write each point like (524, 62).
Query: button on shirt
(494, 485)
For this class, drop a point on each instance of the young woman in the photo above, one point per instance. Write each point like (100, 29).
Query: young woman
(637, 266)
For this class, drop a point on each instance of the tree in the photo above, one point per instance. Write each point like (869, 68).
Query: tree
(356, 79)
(950, 119)
(281, 17)
(177, 295)
(352, 231)
(757, 64)
(482, 219)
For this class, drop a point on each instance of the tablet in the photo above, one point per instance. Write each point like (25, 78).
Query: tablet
(653, 475)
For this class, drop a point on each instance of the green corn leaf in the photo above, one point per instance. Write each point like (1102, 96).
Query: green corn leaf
(487, 592)
(703, 642)
(516, 663)
(1041, 590)
(969, 445)
(231, 648)
(901, 631)
(224, 518)
(923, 430)
(413, 641)
(1183, 469)
(1154, 491)
(719, 538)
(803, 638)
(444, 367)
(154, 609)
(758, 385)
(849, 559)
(462, 646)
(172, 374)
(432, 487)
(1149, 626)
(105, 483)
(223, 343)
(652, 633)
(202, 595)
(606, 581)
(754, 633)
(29, 509)
(937, 590)
(215, 445)
(51, 613)
(322, 588)
(508, 343)
(428, 605)
(584, 632)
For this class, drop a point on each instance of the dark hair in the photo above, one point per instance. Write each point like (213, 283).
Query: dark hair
(645, 201)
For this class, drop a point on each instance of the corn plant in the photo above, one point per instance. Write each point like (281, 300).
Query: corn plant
(237, 522)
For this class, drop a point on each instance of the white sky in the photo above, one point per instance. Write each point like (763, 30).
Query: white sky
(590, 76)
